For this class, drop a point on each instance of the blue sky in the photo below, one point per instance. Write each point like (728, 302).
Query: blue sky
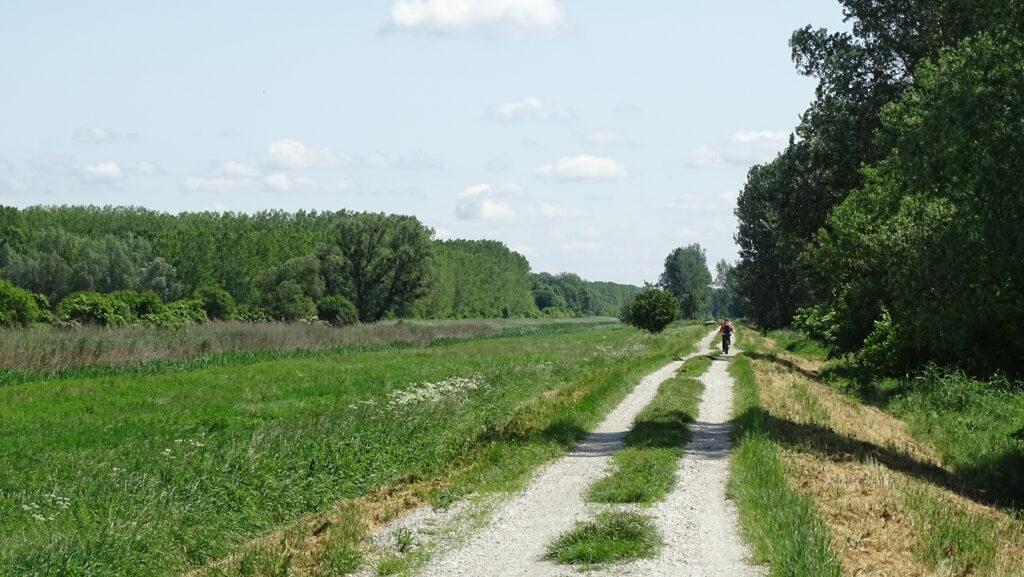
(591, 136)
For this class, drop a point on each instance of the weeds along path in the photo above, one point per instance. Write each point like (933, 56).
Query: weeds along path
(698, 527)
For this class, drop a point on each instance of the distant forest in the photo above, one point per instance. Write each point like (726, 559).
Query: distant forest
(116, 265)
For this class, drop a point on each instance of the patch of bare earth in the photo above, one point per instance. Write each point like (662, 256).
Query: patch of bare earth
(860, 466)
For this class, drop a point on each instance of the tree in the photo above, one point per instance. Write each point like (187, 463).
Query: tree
(289, 291)
(379, 262)
(337, 310)
(18, 307)
(725, 300)
(687, 277)
(217, 302)
(652, 309)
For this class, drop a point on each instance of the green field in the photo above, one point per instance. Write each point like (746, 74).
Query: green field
(137, 474)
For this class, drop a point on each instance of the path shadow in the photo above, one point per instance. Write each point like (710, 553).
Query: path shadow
(773, 358)
(826, 443)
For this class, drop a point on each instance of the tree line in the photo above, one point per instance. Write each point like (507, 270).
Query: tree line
(891, 225)
(112, 265)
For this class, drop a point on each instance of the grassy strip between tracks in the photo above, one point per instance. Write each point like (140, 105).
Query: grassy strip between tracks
(645, 470)
(612, 536)
(159, 474)
(781, 525)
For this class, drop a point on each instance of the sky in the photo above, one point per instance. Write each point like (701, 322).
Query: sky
(591, 136)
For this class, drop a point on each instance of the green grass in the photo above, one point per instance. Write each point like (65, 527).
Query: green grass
(611, 537)
(799, 343)
(782, 526)
(955, 542)
(158, 474)
(645, 471)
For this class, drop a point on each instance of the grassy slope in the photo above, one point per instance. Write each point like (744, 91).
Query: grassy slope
(890, 505)
(143, 475)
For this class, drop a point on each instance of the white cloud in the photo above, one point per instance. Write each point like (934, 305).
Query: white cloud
(92, 134)
(583, 167)
(443, 234)
(478, 203)
(704, 157)
(291, 153)
(759, 136)
(557, 211)
(235, 169)
(467, 15)
(529, 108)
(511, 187)
(147, 168)
(218, 184)
(280, 182)
(744, 147)
(108, 171)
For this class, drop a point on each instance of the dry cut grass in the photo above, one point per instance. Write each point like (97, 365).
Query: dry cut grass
(890, 505)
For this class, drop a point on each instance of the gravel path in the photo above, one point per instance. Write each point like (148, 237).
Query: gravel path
(698, 524)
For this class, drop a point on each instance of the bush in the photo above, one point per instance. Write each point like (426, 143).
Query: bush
(251, 314)
(651, 309)
(217, 302)
(90, 308)
(337, 310)
(17, 305)
(288, 302)
(178, 314)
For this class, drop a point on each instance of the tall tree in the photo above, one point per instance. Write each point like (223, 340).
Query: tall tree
(379, 262)
(687, 277)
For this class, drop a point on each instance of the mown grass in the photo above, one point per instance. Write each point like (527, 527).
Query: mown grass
(159, 474)
(782, 526)
(972, 425)
(645, 470)
(612, 536)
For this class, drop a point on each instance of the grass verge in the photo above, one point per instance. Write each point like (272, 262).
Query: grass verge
(645, 470)
(612, 536)
(781, 525)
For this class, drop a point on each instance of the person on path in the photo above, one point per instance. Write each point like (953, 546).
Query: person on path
(726, 330)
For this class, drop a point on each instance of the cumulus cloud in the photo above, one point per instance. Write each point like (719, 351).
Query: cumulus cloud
(468, 15)
(744, 147)
(529, 108)
(236, 169)
(92, 135)
(704, 157)
(477, 202)
(279, 182)
(291, 153)
(108, 171)
(583, 167)
(147, 168)
(560, 212)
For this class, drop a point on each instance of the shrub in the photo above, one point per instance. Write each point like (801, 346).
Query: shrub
(251, 314)
(337, 310)
(89, 308)
(17, 305)
(288, 302)
(217, 302)
(651, 309)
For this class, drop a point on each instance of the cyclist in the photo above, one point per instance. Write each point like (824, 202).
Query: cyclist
(726, 331)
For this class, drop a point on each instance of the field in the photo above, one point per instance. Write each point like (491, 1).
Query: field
(161, 467)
